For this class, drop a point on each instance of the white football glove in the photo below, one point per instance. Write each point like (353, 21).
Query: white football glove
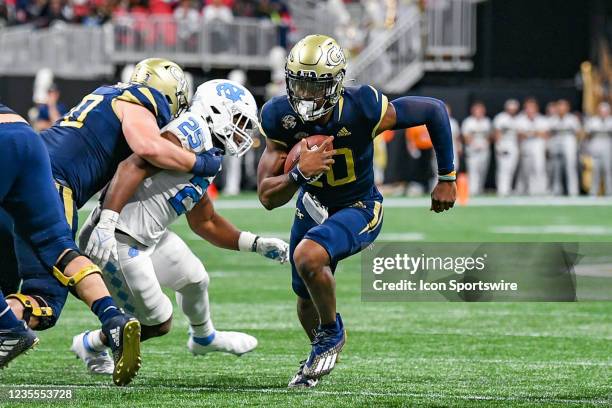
(102, 245)
(272, 248)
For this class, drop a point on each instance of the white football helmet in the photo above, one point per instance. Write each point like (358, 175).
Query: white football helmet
(231, 113)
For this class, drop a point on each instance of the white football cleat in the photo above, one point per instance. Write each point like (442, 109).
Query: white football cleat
(97, 362)
(226, 342)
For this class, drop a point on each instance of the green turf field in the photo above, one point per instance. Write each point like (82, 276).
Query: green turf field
(397, 354)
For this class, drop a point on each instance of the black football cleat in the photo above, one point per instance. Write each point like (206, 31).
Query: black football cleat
(14, 342)
(123, 337)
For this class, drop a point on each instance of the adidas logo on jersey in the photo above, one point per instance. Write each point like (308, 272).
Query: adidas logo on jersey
(115, 335)
(343, 132)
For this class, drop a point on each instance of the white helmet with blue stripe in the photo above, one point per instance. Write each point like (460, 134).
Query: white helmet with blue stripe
(230, 111)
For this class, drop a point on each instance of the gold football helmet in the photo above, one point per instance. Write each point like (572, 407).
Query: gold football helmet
(166, 77)
(314, 73)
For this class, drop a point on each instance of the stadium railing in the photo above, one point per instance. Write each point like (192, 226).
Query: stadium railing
(243, 42)
(73, 51)
(77, 51)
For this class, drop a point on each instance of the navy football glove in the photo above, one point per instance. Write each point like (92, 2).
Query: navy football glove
(208, 163)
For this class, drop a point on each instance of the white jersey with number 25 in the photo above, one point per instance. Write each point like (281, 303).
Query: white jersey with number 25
(164, 197)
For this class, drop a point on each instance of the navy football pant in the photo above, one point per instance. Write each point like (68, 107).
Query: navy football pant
(346, 232)
(29, 196)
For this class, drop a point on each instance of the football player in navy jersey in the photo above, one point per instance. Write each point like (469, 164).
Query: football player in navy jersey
(85, 147)
(29, 197)
(339, 210)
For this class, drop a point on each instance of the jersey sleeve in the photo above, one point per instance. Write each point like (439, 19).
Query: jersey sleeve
(374, 106)
(149, 98)
(191, 130)
(269, 123)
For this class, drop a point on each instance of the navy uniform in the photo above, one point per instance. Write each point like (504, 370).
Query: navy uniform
(354, 203)
(85, 147)
(28, 194)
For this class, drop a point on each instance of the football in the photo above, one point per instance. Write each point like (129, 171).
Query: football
(294, 155)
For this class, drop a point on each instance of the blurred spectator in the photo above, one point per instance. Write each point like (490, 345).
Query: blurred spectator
(476, 130)
(188, 24)
(53, 11)
(506, 146)
(599, 131)
(217, 11)
(51, 111)
(563, 145)
(532, 130)
(216, 15)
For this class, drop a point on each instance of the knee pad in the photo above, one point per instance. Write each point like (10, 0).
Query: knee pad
(71, 281)
(44, 312)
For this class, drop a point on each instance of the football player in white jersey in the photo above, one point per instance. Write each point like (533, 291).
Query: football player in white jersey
(476, 130)
(599, 131)
(563, 144)
(141, 255)
(506, 146)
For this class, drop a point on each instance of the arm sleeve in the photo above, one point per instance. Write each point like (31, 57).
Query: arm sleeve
(417, 110)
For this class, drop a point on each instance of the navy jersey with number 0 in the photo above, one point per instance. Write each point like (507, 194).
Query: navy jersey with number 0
(87, 144)
(354, 122)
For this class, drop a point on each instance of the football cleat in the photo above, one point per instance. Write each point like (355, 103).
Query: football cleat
(14, 342)
(97, 362)
(301, 381)
(225, 342)
(326, 347)
(123, 336)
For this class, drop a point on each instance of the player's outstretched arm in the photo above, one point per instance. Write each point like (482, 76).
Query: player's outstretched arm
(409, 111)
(142, 135)
(216, 229)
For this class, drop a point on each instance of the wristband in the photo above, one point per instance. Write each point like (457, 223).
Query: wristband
(108, 217)
(452, 176)
(208, 164)
(297, 177)
(247, 241)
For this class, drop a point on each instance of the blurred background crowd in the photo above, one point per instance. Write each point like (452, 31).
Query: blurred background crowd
(43, 13)
(528, 99)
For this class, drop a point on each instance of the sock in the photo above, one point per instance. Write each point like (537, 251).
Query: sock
(202, 330)
(204, 341)
(8, 320)
(93, 341)
(105, 308)
(331, 326)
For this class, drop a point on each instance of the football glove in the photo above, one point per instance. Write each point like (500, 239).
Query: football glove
(102, 245)
(272, 248)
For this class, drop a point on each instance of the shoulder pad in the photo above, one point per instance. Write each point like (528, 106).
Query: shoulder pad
(192, 131)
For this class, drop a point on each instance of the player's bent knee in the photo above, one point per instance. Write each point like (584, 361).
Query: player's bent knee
(309, 258)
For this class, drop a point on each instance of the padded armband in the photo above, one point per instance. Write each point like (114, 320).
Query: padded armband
(74, 280)
(43, 313)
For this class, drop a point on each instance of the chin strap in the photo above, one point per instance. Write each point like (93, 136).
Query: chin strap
(71, 281)
(43, 313)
